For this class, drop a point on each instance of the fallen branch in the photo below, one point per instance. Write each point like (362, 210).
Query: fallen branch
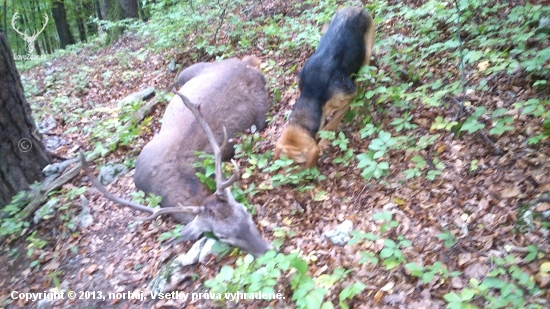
(41, 195)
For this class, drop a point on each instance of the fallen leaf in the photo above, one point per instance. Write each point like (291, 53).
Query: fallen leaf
(464, 258)
(510, 192)
(91, 269)
(378, 296)
(109, 271)
(53, 265)
(388, 286)
(476, 270)
(483, 65)
(543, 207)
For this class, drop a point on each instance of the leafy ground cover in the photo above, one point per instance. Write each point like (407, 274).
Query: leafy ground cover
(449, 205)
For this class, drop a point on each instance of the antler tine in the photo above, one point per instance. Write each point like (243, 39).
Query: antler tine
(221, 184)
(13, 20)
(37, 32)
(194, 210)
(153, 211)
(46, 23)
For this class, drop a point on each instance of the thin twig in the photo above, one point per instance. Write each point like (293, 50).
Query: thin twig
(222, 17)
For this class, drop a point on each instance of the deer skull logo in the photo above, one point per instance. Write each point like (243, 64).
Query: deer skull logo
(29, 39)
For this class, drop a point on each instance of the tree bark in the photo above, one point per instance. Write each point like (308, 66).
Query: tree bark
(60, 16)
(22, 156)
(130, 8)
(81, 29)
(103, 6)
(6, 18)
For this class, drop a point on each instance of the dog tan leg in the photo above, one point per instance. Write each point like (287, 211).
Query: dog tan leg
(332, 125)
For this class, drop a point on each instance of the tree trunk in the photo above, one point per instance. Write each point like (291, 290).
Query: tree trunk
(98, 12)
(60, 16)
(6, 18)
(130, 8)
(113, 11)
(91, 28)
(81, 29)
(103, 7)
(46, 43)
(22, 156)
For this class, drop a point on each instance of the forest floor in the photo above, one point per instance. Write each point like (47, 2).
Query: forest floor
(480, 207)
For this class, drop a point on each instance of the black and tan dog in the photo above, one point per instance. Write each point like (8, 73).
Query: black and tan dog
(326, 84)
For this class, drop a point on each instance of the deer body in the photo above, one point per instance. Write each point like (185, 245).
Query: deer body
(229, 94)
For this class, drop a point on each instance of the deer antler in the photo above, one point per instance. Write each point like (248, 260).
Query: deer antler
(221, 184)
(13, 20)
(153, 211)
(36, 33)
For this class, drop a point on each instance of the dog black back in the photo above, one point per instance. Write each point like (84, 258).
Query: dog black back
(328, 72)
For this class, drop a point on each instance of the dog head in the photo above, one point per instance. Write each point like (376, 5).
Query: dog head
(297, 144)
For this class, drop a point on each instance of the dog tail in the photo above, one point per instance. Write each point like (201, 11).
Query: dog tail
(369, 38)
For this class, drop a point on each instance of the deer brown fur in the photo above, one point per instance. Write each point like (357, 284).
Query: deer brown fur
(215, 98)
(230, 93)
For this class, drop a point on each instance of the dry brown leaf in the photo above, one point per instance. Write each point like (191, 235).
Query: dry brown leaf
(378, 296)
(510, 192)
(388, 286)
(476, 270)
(109, 271)
(543, 207)
(91, 269)
(464, 258)
(53, 265)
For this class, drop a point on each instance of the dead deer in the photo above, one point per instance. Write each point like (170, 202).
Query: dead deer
(229, 97)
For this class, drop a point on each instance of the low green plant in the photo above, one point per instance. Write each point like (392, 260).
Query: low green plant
(427, 273)
(206, 168)
(289, 173)
(339, 140)
(403, 123)
(117, 131)
(174, 233)
(505, 286)
(387, 221)
(150, 200)
(392, 255)
(35, 243)
(449, 238)
(369, 163)
(11, 223)
(280, 233)
(250, 276)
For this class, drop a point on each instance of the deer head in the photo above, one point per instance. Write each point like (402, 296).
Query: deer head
(220, 213)
(29, 39)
